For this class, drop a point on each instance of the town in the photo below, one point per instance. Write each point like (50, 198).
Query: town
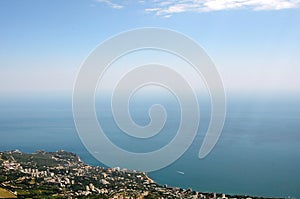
(62, 174)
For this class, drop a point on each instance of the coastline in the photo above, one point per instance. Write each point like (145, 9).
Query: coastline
(66, 175)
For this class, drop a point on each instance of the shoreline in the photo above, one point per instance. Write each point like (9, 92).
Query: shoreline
(67, 171)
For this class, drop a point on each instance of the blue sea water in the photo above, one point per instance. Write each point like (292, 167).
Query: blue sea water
(258, 152)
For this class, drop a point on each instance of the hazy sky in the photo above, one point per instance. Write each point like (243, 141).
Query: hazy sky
(254, 44)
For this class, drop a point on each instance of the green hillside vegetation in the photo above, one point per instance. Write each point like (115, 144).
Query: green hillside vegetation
(41, 158)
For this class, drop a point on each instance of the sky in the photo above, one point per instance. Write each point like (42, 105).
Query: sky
(254, 44)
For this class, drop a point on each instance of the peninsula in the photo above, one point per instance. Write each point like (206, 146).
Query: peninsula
(62, 174)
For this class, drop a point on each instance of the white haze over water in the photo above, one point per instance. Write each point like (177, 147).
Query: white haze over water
(257, 152)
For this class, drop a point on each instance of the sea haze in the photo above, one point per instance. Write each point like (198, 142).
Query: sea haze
(258, 152)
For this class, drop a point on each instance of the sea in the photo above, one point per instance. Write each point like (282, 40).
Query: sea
(258, 152)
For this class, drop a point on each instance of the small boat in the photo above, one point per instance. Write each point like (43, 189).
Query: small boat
(180, 172)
